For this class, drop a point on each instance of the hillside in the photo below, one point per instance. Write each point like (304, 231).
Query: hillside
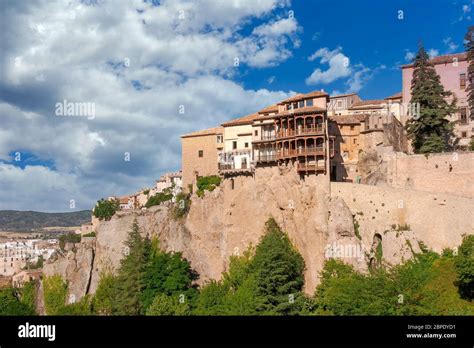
(13, 220)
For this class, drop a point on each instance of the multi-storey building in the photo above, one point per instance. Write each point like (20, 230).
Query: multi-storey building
(452, 70)
(200, 154)
(340, 104)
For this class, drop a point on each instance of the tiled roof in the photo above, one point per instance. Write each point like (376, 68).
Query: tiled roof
(124, 200)
(268, 109)
(209, 131)
(304, 96)
(395, 96)
(341, 95)
(368, 103)
(348, 119)
(306, 110)
(448, 58)
(248, 119)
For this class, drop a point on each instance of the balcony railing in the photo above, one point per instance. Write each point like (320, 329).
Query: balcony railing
(266, 158)
(308, 151)
(284, 133)
(226, 167)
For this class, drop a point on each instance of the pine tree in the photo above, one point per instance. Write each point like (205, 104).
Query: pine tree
(130, 279)
(430, 131)
(469, 45)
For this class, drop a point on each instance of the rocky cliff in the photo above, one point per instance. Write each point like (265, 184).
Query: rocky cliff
(228, 220)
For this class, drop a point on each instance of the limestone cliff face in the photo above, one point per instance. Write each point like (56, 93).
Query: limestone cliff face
(320, 224)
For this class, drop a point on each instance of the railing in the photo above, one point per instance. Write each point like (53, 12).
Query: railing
(266, 158)
(268, 137)
(308, 151)
(300, 131)
(231, 167)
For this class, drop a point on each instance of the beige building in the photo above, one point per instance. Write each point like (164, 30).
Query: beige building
(200, 154)
(340, 104)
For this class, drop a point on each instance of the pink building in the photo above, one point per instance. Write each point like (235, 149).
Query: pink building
(452, 70)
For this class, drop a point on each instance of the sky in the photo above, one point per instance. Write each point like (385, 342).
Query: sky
(95, 94)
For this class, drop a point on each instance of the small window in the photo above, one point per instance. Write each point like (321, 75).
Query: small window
(256, 133)
(309, 102)
(200, 153)
(234, 145)
(246, 145)
(339, 103)
(463, 115)
(354, 141)
(301, 104)
(220, 139)
(352, 127)
(463, 134)
(231, 184)
(462, 80)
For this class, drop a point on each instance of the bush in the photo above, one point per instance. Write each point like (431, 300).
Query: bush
(207, 183)
(159, 198)
(183, 203)
(464, 265)
(105, 209)
(167, 305)
(104, 295)
(92, 234)
(68, 238)
(10, 304)
(55, 292)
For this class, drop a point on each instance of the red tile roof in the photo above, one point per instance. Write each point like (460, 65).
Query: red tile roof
(268, 109)
(304, 96)
(348, 119)
(395, 96)
(341, 95)
(448, 58)
(204, 132)
(248, 119)
(368, 104)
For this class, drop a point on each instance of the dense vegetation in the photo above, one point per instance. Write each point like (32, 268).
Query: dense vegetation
(106, 208)
(12, 220)
(207, 183)
(69, 238)
(159, 198)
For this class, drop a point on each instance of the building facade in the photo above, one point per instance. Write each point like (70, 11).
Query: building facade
(200, 154)
(452, 70)
(340, 104)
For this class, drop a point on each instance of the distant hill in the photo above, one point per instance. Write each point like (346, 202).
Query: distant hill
(13, 220)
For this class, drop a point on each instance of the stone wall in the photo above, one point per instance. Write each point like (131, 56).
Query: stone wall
(451, 173)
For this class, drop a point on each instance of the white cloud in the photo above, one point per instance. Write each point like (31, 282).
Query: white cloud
(138, 64)
(432, 52)
(409, 56)
(451, 46)
(339, 66)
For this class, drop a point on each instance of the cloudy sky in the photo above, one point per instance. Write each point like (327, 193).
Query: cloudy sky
(153, 70)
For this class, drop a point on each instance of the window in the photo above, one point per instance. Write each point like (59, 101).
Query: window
(354, 141)
(301, 104)
(220, 139)
(309, 102)
(339, 104)
(462, 80)
(463, 115)
(352, 127)
(200, 153)
(256, 133)
(231, 184)
(234, 145)
(463, 134)
(295, 105)
(246, 145)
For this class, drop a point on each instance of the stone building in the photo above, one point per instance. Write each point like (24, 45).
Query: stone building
(200, 154)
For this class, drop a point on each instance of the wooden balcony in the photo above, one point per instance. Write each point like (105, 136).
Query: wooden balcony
(266, 158)
(308, 151)
(286, 133)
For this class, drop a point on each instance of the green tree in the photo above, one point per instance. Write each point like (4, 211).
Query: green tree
(469, 45)
(278, 268)
(130, 278)
(212, 299)
(105, 208)
(55, 292)
(104, 296)
(464, 265)
(169, 274)
(10, 303)
(168, 305)
(430, 131)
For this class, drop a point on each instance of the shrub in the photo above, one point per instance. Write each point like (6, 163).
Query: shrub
(105, 209)
(10, 304)
(167, 305)
(464, 265)
(182, 205)
(159, 198)
(92, 234)
(208, 183)
(146, 192)
(55, 291)
(68, 238)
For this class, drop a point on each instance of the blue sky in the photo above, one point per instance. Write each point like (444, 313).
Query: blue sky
(157, 70)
